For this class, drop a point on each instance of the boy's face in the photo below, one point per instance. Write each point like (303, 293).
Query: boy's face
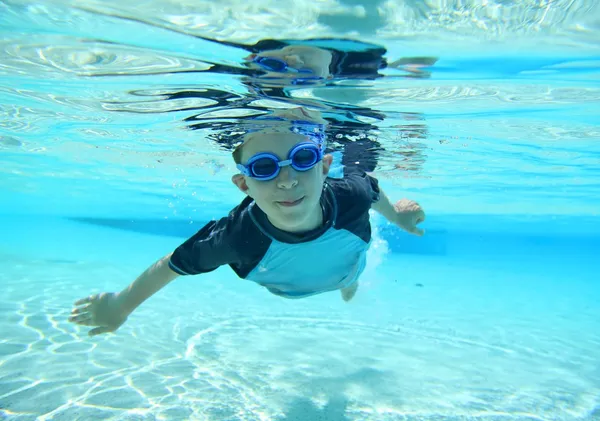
(291, 200)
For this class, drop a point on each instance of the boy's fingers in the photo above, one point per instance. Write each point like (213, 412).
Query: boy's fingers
(81, 318)
(100, 330)
(79, 310)
(85, 300)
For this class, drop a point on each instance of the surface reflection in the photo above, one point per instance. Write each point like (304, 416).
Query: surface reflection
(274, 71)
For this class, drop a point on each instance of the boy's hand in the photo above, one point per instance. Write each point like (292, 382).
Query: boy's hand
(102, 310)
(408, 214)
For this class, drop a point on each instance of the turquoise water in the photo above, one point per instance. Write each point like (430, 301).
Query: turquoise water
(492, 315)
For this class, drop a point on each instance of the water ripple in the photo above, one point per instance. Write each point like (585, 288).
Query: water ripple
(441, 23)
(62, 57)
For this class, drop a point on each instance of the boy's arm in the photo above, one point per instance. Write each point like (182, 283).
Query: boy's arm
(106, 312)
(212, 246)
(147, 284)
(405, 213)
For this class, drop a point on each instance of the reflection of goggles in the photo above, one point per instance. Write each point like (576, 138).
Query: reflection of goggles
(266, 166)
(273, 64)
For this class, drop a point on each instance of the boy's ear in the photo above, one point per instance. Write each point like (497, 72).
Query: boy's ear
(327, 160)
(240, 181)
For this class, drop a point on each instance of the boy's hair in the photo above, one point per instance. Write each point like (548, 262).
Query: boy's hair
(314, 131)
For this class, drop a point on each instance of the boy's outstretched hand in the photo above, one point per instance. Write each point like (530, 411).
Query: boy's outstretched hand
(101, 310)
(408, 215)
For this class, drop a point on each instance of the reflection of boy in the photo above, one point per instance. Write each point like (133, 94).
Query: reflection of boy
(308, 61)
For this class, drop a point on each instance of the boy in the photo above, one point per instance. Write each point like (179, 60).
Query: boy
(293, 214)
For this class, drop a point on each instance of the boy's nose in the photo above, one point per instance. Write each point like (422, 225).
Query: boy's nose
(287, 178)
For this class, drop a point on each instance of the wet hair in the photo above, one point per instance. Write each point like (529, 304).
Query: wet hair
(318, 138)
(314, 131)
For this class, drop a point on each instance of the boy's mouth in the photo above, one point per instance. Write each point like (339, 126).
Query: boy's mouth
(289, 203)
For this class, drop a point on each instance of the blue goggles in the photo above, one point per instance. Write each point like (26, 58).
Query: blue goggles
(273, 64)
(266, 166)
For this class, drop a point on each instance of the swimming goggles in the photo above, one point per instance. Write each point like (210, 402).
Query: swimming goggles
(273, 64)
(266, 166)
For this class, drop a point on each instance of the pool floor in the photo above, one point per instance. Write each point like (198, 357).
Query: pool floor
(427, 337)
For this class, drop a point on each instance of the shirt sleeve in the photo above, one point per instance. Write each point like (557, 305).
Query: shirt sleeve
(355, 194)
(364, 187)
(205, 251)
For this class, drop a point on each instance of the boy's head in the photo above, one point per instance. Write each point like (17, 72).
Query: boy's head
(283, 170)
(293, 61)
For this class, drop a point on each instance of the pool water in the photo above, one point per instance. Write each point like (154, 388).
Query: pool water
(492, 315)
(459, 334)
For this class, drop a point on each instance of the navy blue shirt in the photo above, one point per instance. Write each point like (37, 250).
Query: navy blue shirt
(292, 265)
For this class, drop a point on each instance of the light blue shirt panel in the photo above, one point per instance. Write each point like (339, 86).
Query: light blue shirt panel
(334, 260)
